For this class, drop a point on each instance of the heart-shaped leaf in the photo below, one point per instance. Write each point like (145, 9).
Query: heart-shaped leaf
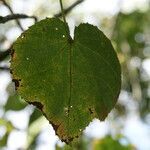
(70, 81)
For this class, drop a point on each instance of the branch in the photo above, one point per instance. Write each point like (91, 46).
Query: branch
(5, 68)
(15, 16)
(10, 9)
(67, 10)
(4, 54)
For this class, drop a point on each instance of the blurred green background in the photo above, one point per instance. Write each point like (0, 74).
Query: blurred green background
(127, 127)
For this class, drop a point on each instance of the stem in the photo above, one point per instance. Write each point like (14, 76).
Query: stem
(62, 11)
(66, 26)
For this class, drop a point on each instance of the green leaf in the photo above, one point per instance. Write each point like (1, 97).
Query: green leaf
(15, 103)
(70, 81)
(3, 140)
(9, 128)
(35, 115)
(81, 143)
(108, 143)
(128, 30)
(34, 131)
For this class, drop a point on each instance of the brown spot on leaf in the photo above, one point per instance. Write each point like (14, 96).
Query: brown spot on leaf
(37, 104)
(12, 52)
(59, 130)
(68, 140)
(55, 126)
(17, 84)
(90, 110)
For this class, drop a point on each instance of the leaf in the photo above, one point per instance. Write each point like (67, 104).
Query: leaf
(34, 116)
(70, 81)
(34, 131)
(82, 143)
(15, 103)
(128, 30)
(3, 140)
(108, 143)
(9, 128)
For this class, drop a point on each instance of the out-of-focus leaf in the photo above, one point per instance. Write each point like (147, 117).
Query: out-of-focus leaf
(67, 79)
(130, 28)
(132, 37)
(3, 141)
(145, 108)
(15, 103)
(108, 143)
(9, 127)
(34, 142)
(34, 130)
(7, 124)
(35, 115)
